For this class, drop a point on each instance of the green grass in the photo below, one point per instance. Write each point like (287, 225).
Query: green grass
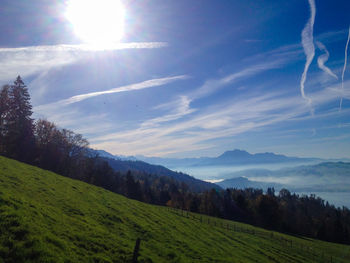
(45, 217)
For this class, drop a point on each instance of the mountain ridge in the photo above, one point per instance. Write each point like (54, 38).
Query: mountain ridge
(124, 165)
(232, 157)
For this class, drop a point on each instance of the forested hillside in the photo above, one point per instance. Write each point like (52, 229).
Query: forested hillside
(45, 217)
(193, 184)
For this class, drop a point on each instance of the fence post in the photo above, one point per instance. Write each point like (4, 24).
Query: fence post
(136, 250)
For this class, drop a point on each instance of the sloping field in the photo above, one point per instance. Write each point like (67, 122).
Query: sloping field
(45, 217)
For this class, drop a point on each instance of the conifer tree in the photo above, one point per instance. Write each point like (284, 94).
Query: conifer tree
(4, 112)
(19, 128)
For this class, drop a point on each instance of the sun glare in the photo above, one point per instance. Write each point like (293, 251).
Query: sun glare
(99, 23)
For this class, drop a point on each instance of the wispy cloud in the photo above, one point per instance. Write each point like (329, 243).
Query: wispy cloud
(198, 130)
(84, 47)
(136, 86)
(179, 108)
(307, 41)
(322, 59)
(211, 86)
(37, 59)
(343, 72)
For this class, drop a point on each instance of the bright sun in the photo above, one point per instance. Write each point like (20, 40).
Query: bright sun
(97, 22)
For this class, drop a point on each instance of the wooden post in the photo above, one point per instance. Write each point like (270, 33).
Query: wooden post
(136, 250)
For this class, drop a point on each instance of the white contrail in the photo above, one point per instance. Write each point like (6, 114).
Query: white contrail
(136, 86)
(307, 40)
(342, 75)
(323, 59)
(85, 47)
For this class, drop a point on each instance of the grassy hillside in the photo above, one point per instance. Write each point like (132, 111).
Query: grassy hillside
(45, 217)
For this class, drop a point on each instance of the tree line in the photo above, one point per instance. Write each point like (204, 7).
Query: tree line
(45, 145)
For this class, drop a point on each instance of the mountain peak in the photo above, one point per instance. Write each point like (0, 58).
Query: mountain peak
(236, 153)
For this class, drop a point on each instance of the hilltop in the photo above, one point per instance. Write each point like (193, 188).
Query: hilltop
(49, 218)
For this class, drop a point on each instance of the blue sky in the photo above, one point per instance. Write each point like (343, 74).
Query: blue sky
(190, 78)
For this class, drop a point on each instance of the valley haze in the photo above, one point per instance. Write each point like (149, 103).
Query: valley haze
(328, 179)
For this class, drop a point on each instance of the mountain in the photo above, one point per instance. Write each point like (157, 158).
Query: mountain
(243, 182)
(322, 177)
(234, 157)
(103, 153)
(45, 217)
(194, 184)
(243, 157)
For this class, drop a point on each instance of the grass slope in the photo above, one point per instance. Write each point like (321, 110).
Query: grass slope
(45, 217)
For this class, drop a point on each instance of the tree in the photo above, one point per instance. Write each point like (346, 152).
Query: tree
(74, 148)
(271, 191)
(4, 114)
(48, 143)
(132, 187)
(19, 129)
(60, 150)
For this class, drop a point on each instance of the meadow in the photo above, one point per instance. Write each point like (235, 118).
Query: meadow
(45, 217)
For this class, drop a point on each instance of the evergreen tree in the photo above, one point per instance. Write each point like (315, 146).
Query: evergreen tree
(4, 114)
(19, 135)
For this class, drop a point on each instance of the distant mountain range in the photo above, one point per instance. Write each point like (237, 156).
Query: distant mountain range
(124, 164)
(322, 177)
(326, 176)
(235, 157)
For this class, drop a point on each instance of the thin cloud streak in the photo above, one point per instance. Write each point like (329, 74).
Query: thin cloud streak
(343, 72)
(307, 42)
(182, 108)
(37, 59)
(136, 86)
(84, 47)
(211, 86)
(322, 59)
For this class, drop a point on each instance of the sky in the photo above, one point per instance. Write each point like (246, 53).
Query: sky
(187, 78)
